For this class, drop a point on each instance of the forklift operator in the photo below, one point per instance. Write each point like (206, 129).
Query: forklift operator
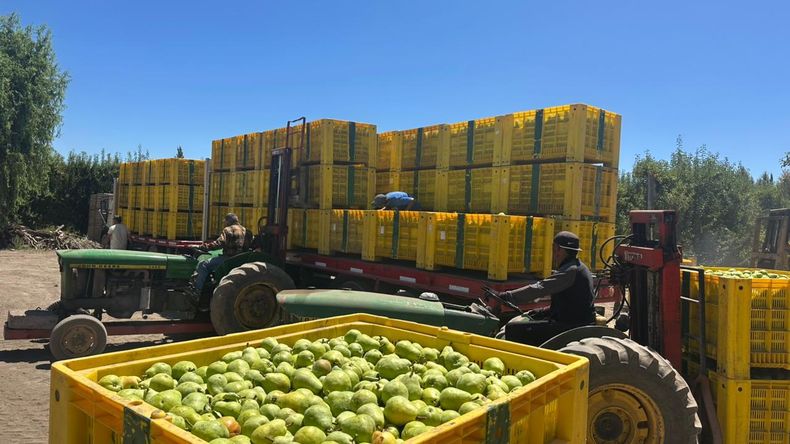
(234, 239)
(572, 292)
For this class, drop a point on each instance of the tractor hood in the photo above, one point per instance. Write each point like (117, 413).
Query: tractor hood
(176, 266)
(313, 304)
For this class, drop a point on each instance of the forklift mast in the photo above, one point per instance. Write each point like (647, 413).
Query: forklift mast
(771, 237)
(652, 257)
(280, 182)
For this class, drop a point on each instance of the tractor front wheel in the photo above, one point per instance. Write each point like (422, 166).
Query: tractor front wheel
(635, 395)
(76, 336)
(245, 299)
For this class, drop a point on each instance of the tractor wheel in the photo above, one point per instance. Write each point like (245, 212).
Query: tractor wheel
(635, 395)
(245, 299)
(76, 336)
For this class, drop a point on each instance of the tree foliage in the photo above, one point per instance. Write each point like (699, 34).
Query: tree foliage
(32, 90)
(718, 201)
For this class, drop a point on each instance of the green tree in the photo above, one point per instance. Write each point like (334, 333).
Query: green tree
(32, 90)
(180, 152)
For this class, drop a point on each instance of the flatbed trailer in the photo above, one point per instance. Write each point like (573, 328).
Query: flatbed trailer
(146, 243)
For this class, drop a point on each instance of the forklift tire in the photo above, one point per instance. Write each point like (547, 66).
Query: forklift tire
(245, 299)
(76, 336)
(635, 395)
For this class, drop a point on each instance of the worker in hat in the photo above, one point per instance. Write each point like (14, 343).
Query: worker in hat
(395, 200)
(233, 240)
(571, 290)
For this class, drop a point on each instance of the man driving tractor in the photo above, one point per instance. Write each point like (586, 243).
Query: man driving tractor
(572, 292)
(233, 240)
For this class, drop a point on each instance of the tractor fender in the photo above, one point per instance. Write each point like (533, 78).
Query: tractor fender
(241, 259)
(579, 333)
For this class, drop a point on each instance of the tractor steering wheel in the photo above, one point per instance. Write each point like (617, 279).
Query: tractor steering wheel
(489, 292)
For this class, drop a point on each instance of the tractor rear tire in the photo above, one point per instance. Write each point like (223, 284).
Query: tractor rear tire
(635, 395)
(76, 336)
(245, 299)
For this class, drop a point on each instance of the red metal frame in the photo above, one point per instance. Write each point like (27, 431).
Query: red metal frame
(179, 244)
(118, 328)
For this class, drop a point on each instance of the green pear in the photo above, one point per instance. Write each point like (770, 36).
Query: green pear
(360, 427)
(240, 439)
(270, 410)
(429, 415)
(216, 384)
(255, 377)
(186, 412)
(449, 415)
(419, 403)
(321, 367)
(216, 368)
(283, 356)
(148, 395)
(250, 354)
(319, 416)
(166, 400)
(362, 397)
(340, 437)
(340, 402)
(512, 382)
(343, 350)
(276, 381)
(392, 389)
(231, 356)
(189, 387)
(352, 335)
(452, 398)
(159, 367)
(416, 431)
(255, 394)
(182, 367)
(304, 378)
(475, 368)
(468, 407)
(525, 376)
(249, 404)
(435, 379)
(268, 344)
(494, 392)
(430, 396)
(247, 414)
(412, 382)
(201, 371)
(428, 354)
(453, 375)
(198, 401)
(305, 358)
(418, 369)
(237, 386)
(384, 437)
(309, 435)
(318, 348)
(296, 401)
(495, 365)
(435, 366)
(386, 347)
(233, 377)
(252, 423)
(374, 411)
(334, 357)
(399, 411)
(190, 377)
(221, 441)
(472, 383)
(391, 366)
(178, 421)
(334, 342)
(356, 349)
(285, 368)
(111, 382)
(130, 382)
(161, 382)
(405, 349)
(373, 356)
(239, 366)
(337, 381)
(132, 394)
(263, 365)
(272, 396)
(266, 433)
(294, 422)
(455, 360)
(280, 348)
(227, 408)
(301, 345)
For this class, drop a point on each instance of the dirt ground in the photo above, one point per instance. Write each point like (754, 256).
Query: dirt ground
(30, 279)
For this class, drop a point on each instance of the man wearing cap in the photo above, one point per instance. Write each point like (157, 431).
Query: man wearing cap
(571, 290)
(233, 240)
(395, 200)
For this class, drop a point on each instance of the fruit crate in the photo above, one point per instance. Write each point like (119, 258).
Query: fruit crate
(148, 197)
(572, 133)
(123, 196)
(345, 231)
(747, 321)
(337, 141)
(752, 410)
(572, 190)
(136, 173)
(180, 225)
(391, 234)
(427, 147)
(223, 154)
(178, 197)
(276, 138)
(180, 171)
(472, 143)
(470, 190)
(387, 181)
(307, 226)
(498, 244)
(135, 196)
(553, 408)
(592, 235)
(248, 152)
(339, 186)
(428, 187)
(222, 188)
(388, 151)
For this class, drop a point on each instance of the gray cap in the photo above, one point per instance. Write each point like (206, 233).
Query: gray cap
(567, 240)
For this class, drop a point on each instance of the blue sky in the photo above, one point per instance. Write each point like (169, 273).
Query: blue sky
(168, 73)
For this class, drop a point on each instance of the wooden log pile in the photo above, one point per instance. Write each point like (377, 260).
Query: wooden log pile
(48, 239)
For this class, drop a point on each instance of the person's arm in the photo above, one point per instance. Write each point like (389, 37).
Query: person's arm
(555, 283)
(220, 242)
